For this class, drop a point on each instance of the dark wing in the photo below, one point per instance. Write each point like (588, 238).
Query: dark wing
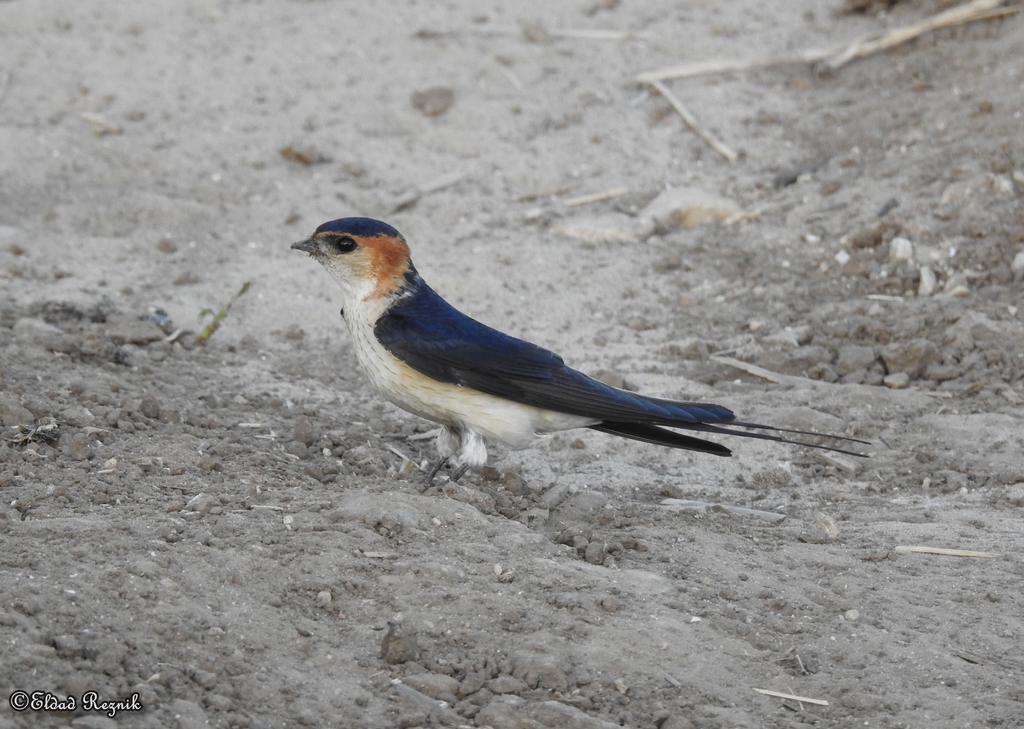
(437, 340)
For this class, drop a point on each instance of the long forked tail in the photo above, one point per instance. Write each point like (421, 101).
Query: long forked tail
(663, 436)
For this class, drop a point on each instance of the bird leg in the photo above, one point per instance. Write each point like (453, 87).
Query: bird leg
(459, 472)
(429, 480)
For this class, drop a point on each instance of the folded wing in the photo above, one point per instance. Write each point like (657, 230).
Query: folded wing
(437, 340)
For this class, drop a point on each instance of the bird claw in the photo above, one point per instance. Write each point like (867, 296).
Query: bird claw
(429, 478)
(453, 478)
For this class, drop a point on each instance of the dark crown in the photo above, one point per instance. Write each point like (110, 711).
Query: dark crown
(361, 227)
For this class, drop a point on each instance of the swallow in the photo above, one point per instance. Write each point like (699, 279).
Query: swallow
(479, 384)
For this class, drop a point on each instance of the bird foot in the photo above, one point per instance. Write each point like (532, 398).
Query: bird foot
(429, 478)
(456, 474)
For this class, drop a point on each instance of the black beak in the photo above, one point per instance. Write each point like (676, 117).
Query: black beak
(309, 246)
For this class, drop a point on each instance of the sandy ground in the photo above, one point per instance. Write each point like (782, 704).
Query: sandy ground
(236, 533)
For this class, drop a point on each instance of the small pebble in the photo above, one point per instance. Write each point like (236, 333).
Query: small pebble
(324, 597)
(435, 685)
(827, 524)
(901, 249)
(399, 644)
(434, 101)
(851, 615)
(611, 604)
(150, 407)
(473, 682)
(1018, 263)
(304, 432)
(79, 448)
(209, 463)
(301, 155)
(204, 537)
(897, 380)
(910, 356)
(23, 504)
(853, 357)
(77, 416)
(505, 685)
(942, 373)
(956, 285)
(689, 207)
(37, 331)
(927, 283)
(202, 503)
(13, 413)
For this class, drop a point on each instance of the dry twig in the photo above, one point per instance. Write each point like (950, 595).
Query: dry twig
(103, 127)
(551, 192)
(791, 697)
(219, 316)
(597, 34)
(753, 369)
(971, 658)
(510, 77)
(691, 121)
(947, 552)
(596, 197)
(838, 56)
(537, 31)
(739, 510)
(981, 661)
(866, 45)
(411, 197)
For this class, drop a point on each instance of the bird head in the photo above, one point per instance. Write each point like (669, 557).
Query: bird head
(370, 259)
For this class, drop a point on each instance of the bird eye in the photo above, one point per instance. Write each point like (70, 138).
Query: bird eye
(341, 244)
